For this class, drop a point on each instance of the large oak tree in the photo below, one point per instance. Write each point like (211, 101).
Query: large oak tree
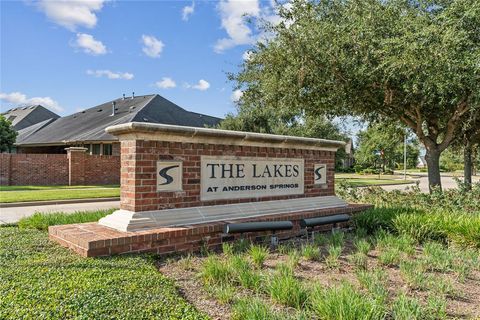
(417, 62)
(8, 135)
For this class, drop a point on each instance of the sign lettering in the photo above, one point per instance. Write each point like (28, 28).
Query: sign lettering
(236, 177)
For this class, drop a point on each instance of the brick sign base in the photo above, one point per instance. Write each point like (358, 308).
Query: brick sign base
(198, 180)
(94, 240)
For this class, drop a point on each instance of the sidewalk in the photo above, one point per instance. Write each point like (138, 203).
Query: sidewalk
(13, 214)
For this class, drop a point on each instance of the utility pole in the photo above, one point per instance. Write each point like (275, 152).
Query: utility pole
(405, 156)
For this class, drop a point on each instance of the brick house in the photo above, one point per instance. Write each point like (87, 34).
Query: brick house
(87, 128)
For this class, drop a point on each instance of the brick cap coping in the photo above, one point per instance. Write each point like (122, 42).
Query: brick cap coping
(166, 132)
(92, 239)
(125, 220)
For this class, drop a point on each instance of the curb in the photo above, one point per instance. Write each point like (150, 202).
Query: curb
(53, 202)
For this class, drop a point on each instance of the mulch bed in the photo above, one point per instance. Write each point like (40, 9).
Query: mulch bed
(465, 302)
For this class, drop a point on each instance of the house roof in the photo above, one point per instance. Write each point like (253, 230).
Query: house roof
(89, 125)
(26, 116)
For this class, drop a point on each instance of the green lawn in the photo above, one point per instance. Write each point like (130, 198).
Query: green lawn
(42, 221)
(27, 188)
(357, 180)
(42, 193)
(41, 280)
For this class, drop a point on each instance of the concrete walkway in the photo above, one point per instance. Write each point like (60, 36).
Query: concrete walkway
(13, 214)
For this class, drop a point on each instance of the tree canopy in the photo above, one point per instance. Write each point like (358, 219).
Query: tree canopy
(274, 121)
(416, 62)
(7, 135)
(388, 140)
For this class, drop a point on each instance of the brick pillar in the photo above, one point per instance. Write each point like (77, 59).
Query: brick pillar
(130, 175)
(76, 165)
(5, 169)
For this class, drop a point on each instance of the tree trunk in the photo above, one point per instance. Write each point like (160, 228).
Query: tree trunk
(467, 166)
(433, 164)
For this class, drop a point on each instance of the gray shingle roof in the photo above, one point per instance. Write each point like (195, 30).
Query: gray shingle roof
(22, 117)
(89, 125)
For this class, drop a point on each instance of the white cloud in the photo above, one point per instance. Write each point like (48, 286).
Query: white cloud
(19, 98)
(90, 45)
(13, 97)
(110, 74)
(72, 13)
(232, 13)
(236, 95)
(202, 85)
(187, 11)
(166, 83)
(152, 46)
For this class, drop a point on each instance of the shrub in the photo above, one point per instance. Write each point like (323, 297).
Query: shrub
(375, 283)
(224, 293)
(334, 253)
(460, 228)
(241, 245)
(286, 289)
(344, 302)
(253, 309)
(466, 260)
(227, 248)
(320, 239)
(436, 307)
(293, 258)
(310, 252)
(453, 200)
(406, 308)
(390, 257)
(413, 273)
(362, 246)
(243, 274)
(374, 219)
(359, 260)
(388, 241)
(186, 263)
(436, 257)
(258, 254)
(455, 227)
(337, 239)
(214, 271)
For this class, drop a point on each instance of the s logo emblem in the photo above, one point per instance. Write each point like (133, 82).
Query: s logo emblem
(318, 174)
(164, 174)
(169, 175)
(320, 171)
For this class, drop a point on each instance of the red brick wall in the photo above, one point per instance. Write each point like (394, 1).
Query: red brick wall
(5, 169)
(138, 172)
(102, 169)
(53, 169)
(34, 169)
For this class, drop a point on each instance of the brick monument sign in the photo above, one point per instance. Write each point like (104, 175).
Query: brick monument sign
(181, 185)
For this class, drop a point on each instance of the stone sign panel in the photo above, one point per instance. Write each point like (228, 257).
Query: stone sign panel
(241, 177)
(169, 175)
(320, 171)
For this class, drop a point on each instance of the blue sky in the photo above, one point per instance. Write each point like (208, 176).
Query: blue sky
(71, 55)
